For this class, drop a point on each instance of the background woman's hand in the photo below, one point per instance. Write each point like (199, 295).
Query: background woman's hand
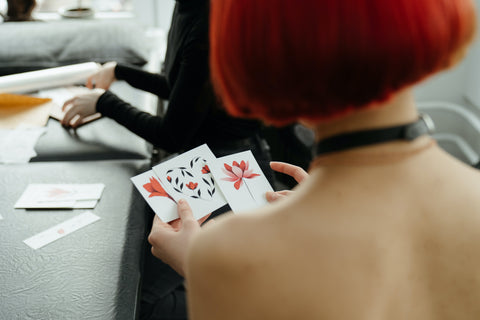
(80, 107)
(295, 172)
(103, 78)
(170, 241)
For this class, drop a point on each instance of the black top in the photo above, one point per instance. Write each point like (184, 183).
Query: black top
(193, 116)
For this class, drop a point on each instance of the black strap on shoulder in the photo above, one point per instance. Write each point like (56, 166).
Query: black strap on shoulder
(407, 132)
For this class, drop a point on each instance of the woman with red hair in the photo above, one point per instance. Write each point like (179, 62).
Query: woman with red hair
(387, 224)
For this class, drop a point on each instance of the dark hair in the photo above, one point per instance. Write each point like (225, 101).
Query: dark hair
(19, 10)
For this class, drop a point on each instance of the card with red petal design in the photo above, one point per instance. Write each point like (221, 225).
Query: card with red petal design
(241, 180)
(157, 198)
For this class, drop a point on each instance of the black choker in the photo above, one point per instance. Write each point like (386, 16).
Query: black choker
(408, 132)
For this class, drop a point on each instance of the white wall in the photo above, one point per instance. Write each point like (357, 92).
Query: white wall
(449, 85)
(154, 13)
(164, 10)
(459, 85)
(472, 85)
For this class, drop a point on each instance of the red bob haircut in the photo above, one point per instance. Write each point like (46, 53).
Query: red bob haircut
(287, 60)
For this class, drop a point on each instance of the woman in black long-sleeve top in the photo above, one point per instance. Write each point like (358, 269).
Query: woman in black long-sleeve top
(194, 116)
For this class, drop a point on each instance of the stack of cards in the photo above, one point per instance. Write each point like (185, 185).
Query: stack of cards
(206, 182)
(69, 196)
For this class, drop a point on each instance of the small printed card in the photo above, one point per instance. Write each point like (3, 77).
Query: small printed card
(60, 230)
(157, 198)
(207, 183)
(241, 180)
(188, 176)
(39, 196)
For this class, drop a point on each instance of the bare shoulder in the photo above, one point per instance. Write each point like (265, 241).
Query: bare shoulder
(459, 191)
(221, 267)
(228, 241)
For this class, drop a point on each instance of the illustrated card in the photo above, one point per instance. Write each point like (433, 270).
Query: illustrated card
(241, 180)
(157, 198)
(60, 196)
(188, 176)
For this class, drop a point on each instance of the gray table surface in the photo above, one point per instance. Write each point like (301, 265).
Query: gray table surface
(92, 273)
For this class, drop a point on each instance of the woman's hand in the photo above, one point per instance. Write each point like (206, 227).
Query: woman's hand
(170, 241)
(103, 78)
(295, 172)
(80, 107)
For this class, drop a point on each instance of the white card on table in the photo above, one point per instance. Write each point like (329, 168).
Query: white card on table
(188, 176)
(157, 198)
(242, 181)
(60, 196)
(60, 230)
(85, 204)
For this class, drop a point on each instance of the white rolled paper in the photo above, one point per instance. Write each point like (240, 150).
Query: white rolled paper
(47, 78)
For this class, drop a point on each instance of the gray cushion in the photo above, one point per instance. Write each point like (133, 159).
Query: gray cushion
(30, 46)
(102, 139)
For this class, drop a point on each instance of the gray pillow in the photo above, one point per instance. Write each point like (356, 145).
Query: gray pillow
(27, 46)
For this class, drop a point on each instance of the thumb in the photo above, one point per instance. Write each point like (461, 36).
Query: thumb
(184, 211)
(66, 103)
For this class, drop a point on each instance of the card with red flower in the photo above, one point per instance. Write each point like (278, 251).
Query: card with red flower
(70, 195)
(188, 176)
(157, 198)
(241, 180)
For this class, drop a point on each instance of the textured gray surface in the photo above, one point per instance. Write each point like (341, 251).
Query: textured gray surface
(92, 273)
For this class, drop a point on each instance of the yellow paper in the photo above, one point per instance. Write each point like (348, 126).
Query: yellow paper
(22, 109)
(14, 100)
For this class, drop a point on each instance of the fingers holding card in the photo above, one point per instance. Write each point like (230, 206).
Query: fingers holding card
(207, 183)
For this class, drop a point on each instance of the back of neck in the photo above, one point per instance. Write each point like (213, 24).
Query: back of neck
(400, 109)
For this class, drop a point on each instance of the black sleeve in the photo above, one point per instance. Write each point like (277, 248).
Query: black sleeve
(143, 80)
(186, 112)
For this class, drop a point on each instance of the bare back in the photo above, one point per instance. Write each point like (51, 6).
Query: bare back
(397, 240)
